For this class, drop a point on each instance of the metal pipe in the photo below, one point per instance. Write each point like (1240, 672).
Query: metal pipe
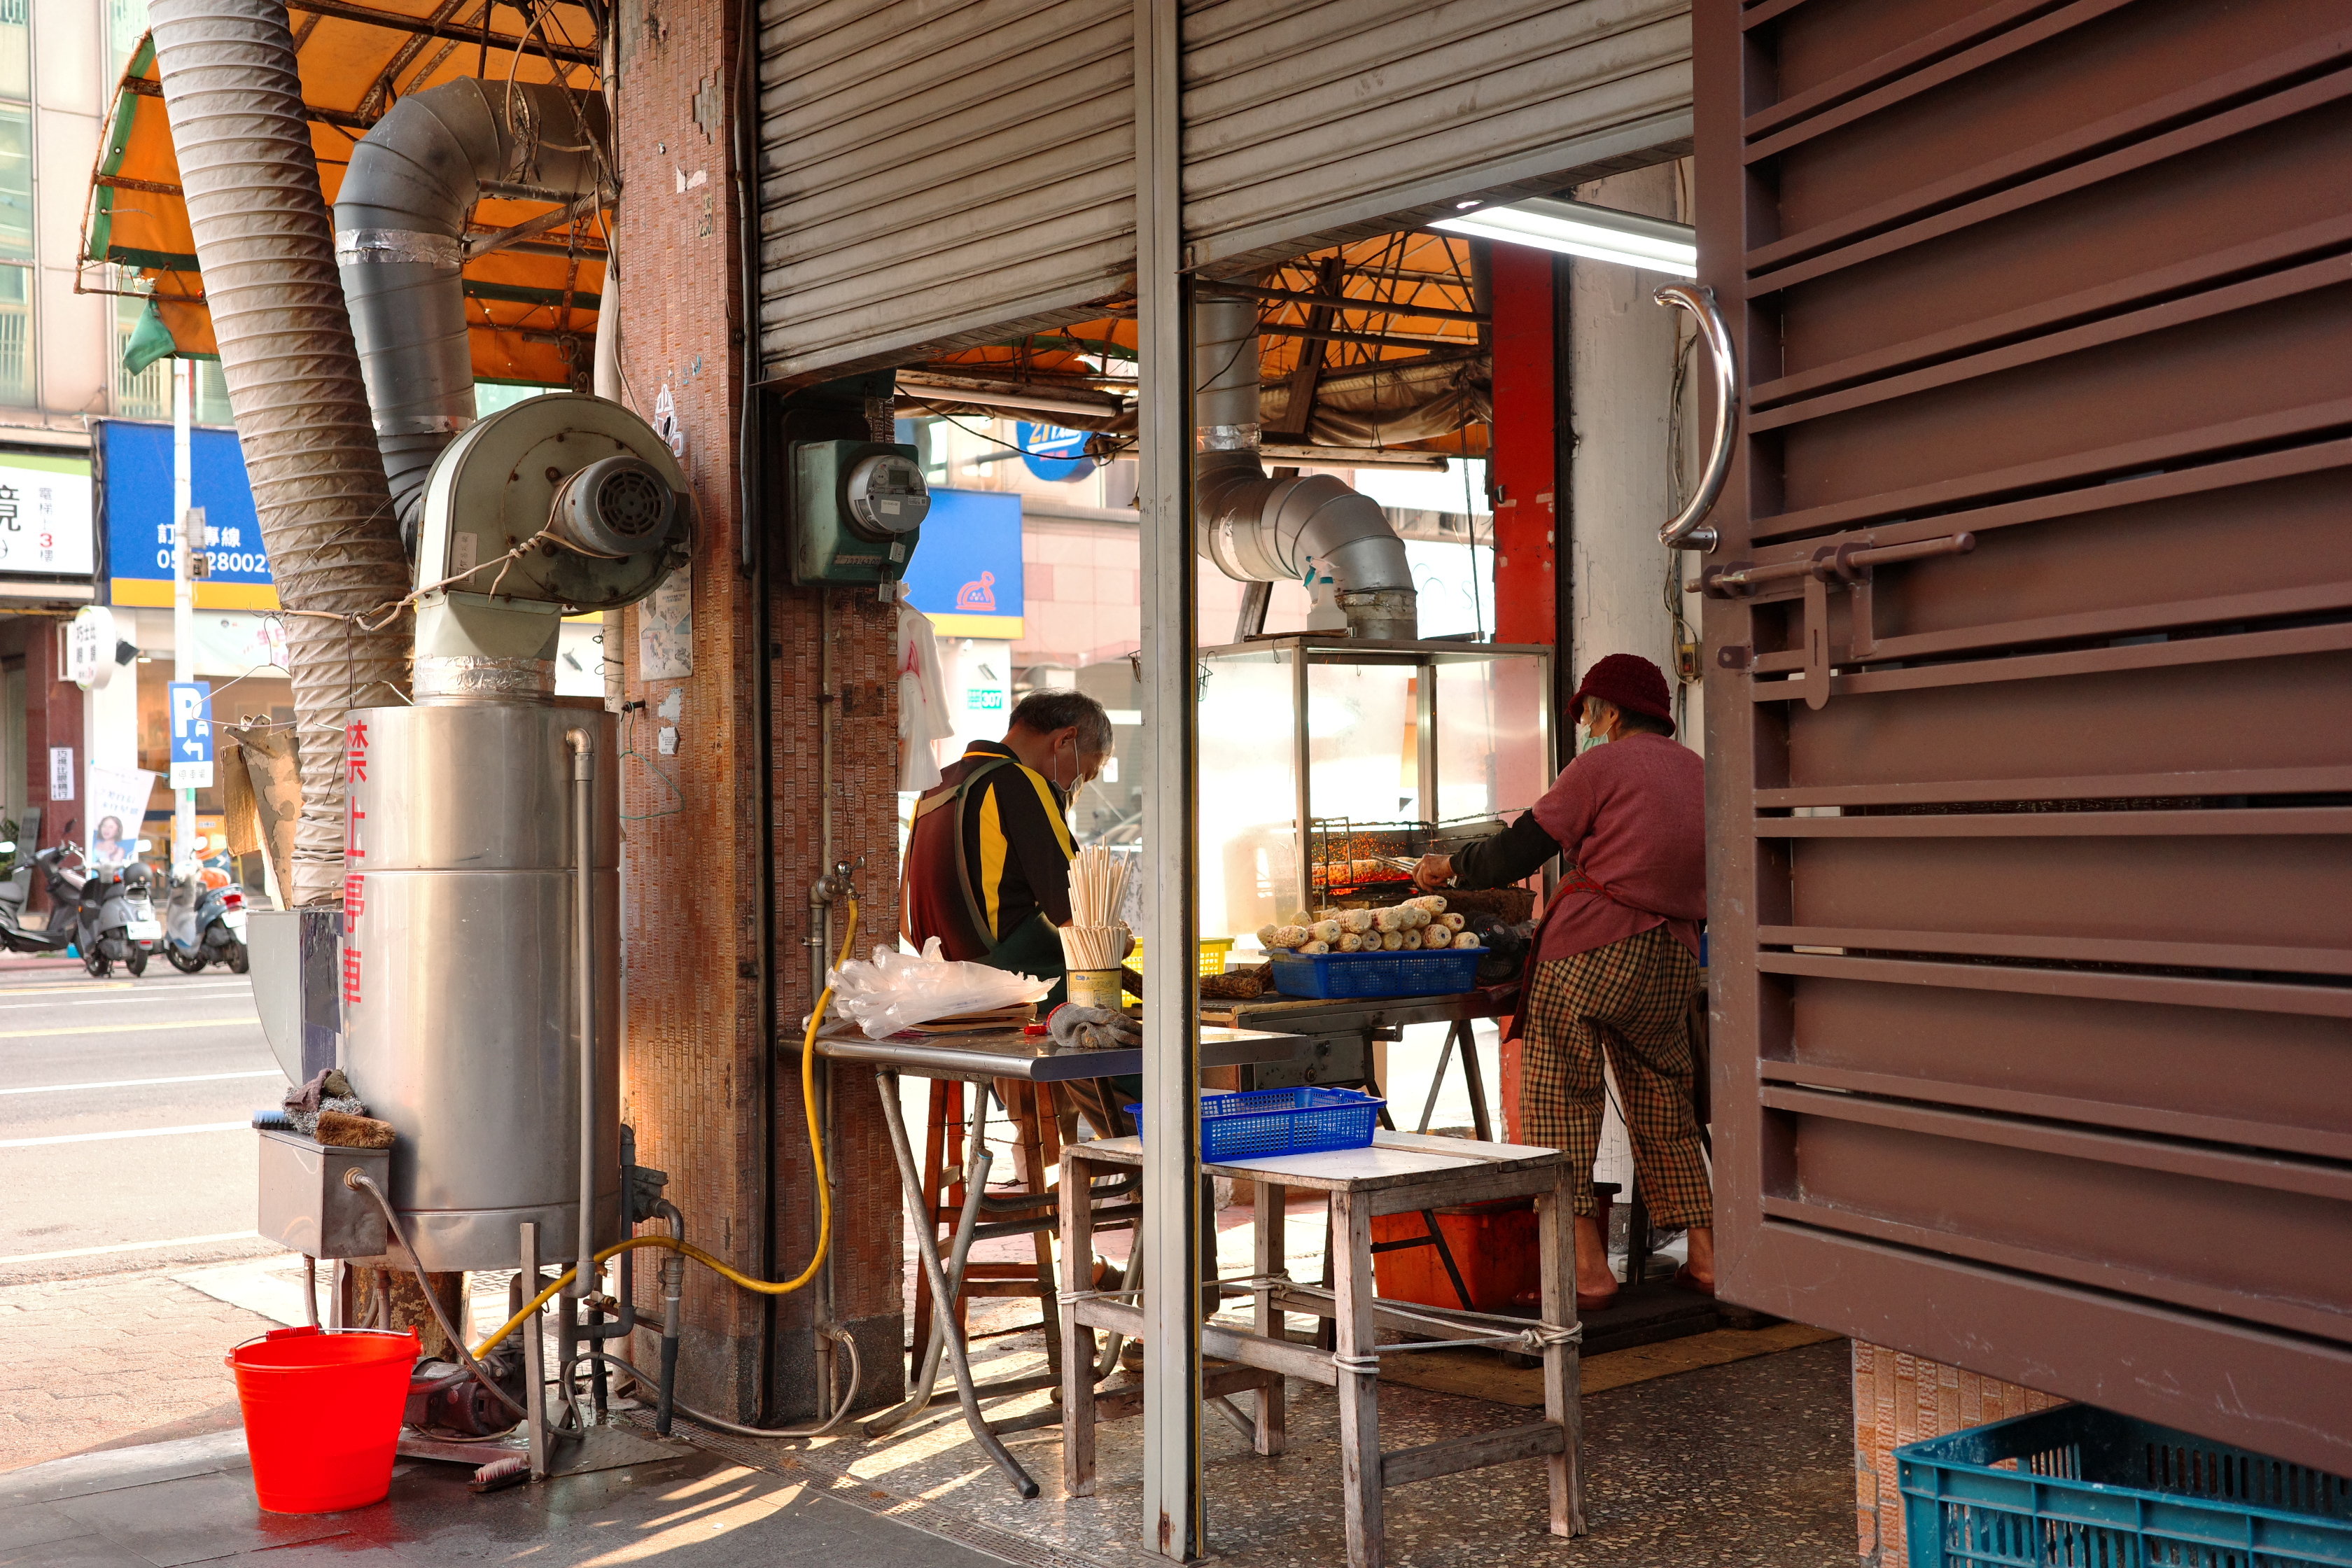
(821, 898)
(672, 1291)
(583, 938)
(400, 222)
(1257, 528)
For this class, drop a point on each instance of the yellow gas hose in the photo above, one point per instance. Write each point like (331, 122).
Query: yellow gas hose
(823, 1188)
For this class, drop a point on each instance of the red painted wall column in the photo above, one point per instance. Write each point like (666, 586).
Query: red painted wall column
(1525, 471)
(1523, 458)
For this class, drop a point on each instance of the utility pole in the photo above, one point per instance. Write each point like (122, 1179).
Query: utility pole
(184, 521)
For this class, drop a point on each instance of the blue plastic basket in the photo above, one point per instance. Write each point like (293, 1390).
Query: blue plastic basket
(1262, 1122)
(1417, 974)
(2079, 1485)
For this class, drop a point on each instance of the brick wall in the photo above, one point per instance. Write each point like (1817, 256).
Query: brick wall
(691, 838)
(1900, 1399)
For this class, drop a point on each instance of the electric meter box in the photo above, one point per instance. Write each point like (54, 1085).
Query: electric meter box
(858, 510)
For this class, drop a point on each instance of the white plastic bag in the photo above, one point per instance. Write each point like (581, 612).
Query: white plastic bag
(897, 991)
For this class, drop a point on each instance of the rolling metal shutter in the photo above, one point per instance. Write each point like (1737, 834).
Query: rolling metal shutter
(1308, 121)
(2031, 887)
(937, 174)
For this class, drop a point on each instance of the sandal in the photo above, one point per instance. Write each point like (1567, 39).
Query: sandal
(1689, 1281)
(1594, 1300)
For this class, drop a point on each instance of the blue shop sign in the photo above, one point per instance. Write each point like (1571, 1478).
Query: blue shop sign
(1052, 453)
(134, 486)
(966, 574)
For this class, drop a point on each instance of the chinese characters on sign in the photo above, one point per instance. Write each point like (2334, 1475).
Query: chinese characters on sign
(61, 773)
(355, 762)
(44, 522)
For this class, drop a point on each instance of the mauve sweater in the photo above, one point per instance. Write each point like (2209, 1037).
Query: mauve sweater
(1631, 815)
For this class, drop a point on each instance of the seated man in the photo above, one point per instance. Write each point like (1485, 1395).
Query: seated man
(988, 861)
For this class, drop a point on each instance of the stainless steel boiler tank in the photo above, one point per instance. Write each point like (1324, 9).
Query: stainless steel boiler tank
(460, 1023)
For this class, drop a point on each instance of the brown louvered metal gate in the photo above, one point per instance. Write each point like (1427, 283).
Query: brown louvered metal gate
(2030, 700)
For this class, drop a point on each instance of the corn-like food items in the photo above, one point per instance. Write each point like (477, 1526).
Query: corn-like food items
(1391, 940)
(1314, 947)
(1467, 939)
(1324, 930)
(1434, 903)
(1350, 942)
(1453, 922)
(1435, 936)
(1411, 941)
(1284, 938)
(1356, 920)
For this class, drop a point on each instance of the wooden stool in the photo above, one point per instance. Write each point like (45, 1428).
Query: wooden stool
(1401, 1172)
(1036, 1149)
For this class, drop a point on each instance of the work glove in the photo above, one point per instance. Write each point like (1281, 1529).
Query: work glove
(1093, 1029)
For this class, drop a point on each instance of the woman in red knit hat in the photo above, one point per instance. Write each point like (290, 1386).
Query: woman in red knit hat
(1616, 961)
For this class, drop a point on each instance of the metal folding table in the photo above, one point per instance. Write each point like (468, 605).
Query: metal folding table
(983, 1058)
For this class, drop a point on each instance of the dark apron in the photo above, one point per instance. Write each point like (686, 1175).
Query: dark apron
(1033, 947)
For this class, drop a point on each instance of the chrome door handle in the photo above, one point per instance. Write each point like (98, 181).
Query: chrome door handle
(1682, 531)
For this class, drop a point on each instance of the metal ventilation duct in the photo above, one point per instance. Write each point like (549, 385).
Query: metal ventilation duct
(267, 256)
(1259, 529)
(400, 224)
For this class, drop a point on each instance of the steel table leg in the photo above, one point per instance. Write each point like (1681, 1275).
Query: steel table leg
(935, 1339)
(927, 1248)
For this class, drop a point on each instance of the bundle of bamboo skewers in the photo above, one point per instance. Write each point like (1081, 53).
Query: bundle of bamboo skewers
(1094, 939)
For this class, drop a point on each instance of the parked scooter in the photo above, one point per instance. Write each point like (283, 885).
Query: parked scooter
(92, 902)
(203, 922)
(14, 934)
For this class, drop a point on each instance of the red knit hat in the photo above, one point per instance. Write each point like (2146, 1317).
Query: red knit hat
(1630, 682)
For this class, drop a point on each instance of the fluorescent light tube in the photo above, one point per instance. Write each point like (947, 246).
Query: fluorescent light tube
(1575, 228)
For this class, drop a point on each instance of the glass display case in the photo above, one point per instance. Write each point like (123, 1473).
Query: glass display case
(1328, 766)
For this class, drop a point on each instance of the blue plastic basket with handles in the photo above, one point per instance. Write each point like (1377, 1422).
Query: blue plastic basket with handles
(1260, 1122)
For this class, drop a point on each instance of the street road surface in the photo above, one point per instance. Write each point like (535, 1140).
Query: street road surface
(123, 1112)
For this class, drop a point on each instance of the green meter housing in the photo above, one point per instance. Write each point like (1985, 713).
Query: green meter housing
(857, 510)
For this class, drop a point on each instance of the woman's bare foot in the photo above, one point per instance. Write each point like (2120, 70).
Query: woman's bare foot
(1701, 1263)
(1595, 1285)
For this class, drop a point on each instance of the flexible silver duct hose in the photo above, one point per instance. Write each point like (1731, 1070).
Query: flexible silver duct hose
(267, 255)
(1259, 529)
(400, 224)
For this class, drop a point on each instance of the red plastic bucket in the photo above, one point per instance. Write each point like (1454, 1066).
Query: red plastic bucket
(323, 1414)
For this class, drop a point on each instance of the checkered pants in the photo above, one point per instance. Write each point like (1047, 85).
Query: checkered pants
(1628, 999)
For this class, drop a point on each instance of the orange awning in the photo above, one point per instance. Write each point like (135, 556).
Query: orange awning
(533, 307)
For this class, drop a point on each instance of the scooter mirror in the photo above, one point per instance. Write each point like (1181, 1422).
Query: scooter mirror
(8, 846)
(140, 846)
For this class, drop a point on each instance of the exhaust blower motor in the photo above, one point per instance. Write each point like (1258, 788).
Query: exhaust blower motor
(559, 505)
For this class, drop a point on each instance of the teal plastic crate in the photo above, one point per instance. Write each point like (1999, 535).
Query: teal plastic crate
(2079, 1487)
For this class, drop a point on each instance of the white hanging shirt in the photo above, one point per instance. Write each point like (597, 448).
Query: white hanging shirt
(924, 718)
